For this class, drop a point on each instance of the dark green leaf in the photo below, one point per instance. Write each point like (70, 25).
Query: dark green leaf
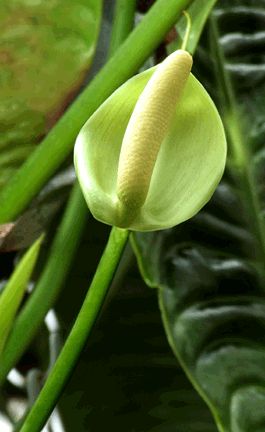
(210, 269)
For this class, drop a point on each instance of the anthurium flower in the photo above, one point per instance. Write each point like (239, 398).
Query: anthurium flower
(153, 153)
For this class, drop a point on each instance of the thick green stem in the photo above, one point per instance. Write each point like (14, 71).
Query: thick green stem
(65, 363)
(53, 277)
(50, 283)
(49, 155)
(122, 26)
(55, 272)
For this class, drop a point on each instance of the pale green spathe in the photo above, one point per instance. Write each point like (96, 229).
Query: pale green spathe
(188, 168)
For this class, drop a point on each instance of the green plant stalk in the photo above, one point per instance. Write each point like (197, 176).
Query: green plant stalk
(199, 12)
(50, 283)
(65, 363)
(122, 26)
(240, 157)
(48, 156)
(188, 30)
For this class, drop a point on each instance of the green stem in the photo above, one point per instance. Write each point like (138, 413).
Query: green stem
(187, 33)
(65, 363)
(50, 283)
(48, 156)
(47, 290)
(122, 26)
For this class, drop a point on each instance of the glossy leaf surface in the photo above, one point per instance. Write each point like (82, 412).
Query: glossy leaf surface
(210, 270)
(212, 304)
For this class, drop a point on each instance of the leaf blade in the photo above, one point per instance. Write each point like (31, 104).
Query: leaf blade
(13, 292)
